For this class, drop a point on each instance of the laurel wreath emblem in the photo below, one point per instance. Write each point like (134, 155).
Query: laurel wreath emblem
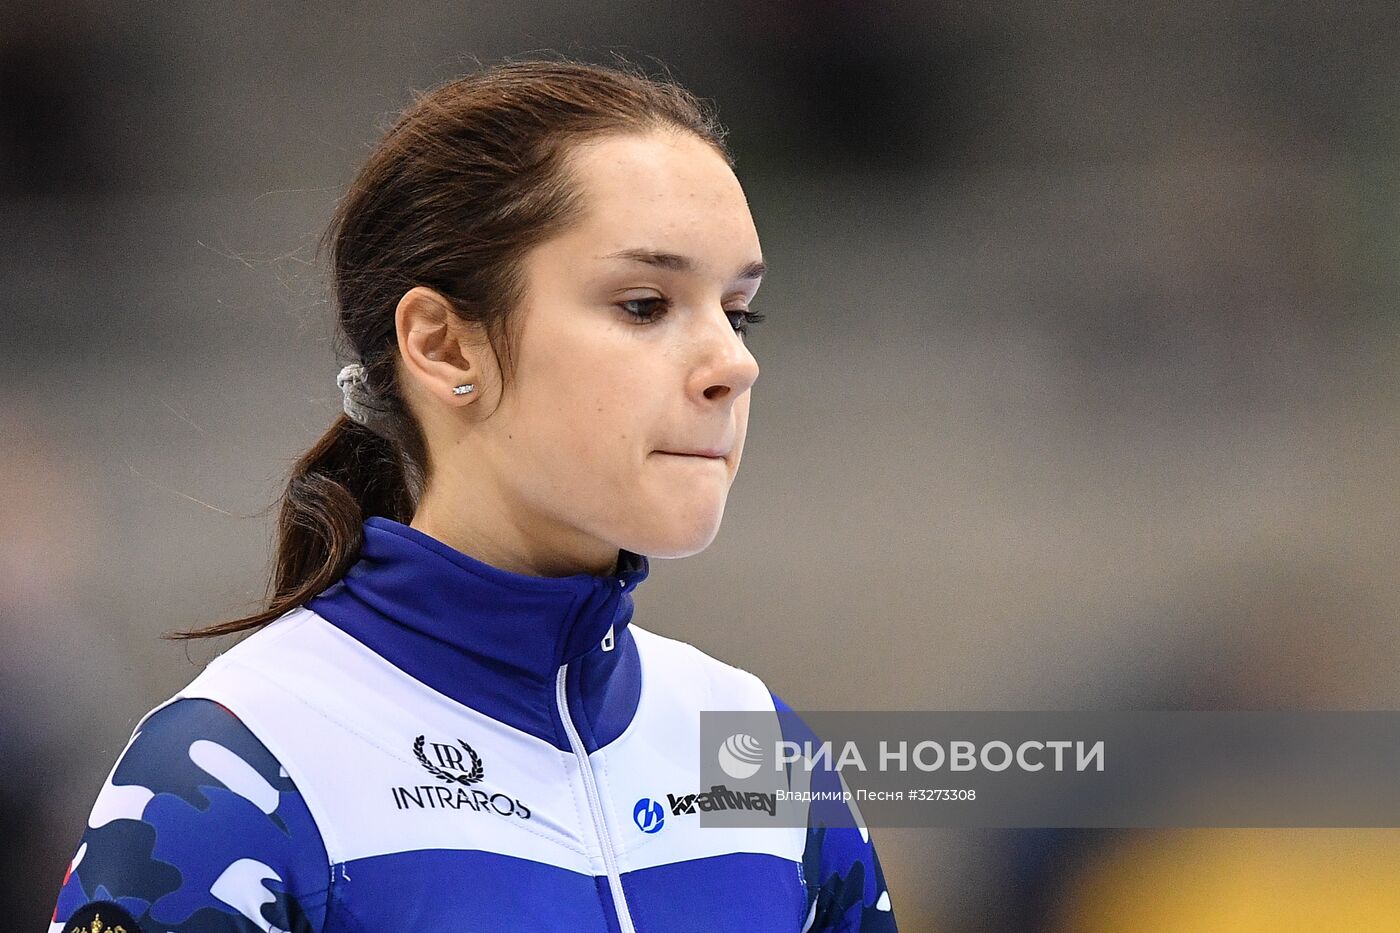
(471, 777)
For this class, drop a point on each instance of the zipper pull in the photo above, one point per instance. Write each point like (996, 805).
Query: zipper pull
(607, 642)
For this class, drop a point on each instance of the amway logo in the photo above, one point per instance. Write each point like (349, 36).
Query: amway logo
(720, 797)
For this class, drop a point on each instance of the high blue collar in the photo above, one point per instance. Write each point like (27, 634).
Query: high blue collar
(493, 639)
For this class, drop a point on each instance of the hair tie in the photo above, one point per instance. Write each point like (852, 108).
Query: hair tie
(357, 400)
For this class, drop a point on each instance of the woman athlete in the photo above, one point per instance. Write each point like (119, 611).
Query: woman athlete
(444, 718)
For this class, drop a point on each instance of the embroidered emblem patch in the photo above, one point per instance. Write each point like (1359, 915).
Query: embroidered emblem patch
(101, 917)
(450, 765)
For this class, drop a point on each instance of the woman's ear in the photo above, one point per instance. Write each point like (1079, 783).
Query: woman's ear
(438, 351)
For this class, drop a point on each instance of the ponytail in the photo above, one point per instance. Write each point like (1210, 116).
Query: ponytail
(351, 473)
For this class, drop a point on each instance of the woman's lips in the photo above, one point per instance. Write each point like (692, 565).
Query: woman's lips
(705, 454)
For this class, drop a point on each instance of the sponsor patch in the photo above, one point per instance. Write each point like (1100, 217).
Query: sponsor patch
(458, 765)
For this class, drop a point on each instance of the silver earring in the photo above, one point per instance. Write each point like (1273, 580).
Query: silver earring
(463, 390)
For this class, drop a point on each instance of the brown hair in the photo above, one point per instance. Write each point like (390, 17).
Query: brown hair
(472, 175)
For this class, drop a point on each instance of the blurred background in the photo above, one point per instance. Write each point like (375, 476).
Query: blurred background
(1079, 382)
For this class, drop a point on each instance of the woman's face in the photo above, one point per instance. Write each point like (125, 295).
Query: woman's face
(624, 423)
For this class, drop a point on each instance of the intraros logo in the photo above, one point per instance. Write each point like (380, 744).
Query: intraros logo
(449, 766)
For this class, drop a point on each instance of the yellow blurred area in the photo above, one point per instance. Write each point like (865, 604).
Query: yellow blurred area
(1240, 881)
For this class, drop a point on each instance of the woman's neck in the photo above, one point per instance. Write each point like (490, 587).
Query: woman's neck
(498, 537)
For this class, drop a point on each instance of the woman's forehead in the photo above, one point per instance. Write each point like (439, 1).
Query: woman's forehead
(640, 174)
(665, 193)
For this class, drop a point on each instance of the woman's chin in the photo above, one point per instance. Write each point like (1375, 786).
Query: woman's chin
(683, 536)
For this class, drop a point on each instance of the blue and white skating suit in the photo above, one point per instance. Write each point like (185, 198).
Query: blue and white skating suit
(437, 744)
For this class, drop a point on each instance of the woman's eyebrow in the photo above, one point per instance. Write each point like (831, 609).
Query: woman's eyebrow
(678, 263)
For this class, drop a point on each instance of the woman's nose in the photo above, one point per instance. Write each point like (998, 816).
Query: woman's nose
(728, 369)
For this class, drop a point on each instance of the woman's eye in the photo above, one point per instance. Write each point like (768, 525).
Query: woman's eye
(744, 320)
(651, 308)
(646, 310)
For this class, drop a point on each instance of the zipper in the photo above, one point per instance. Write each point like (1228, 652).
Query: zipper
(595, 803)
